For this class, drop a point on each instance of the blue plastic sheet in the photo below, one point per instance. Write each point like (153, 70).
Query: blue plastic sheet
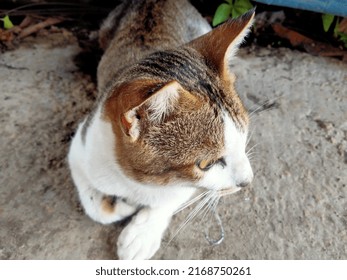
(334, 7)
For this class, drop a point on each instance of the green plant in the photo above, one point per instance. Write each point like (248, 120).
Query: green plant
(7, 22)
(231, 8)
(328, 21)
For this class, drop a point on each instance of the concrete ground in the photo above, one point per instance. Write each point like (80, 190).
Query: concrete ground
(296, 207)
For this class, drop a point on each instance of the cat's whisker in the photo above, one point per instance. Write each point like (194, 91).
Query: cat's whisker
(214, 203)
(252, 148)
(258, 109)
(190, 202)
(252, 155)
(252, 115)
(203, 205)
(249, 137)
(249, 153)
(265, 103)
(209, 206)
(218, 241)
(265, 106)
(192, 214)
(253, 160)
(190, 217)
(225, 192)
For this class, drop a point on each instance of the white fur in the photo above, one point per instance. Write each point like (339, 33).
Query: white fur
(237, 169)
(163, 101)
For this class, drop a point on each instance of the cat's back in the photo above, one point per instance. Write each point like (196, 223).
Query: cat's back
(138, 27)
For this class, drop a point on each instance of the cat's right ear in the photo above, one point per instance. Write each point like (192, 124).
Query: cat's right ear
(220, 45)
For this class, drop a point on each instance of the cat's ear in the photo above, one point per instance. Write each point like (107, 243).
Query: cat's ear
(220, 45)
(156, 102)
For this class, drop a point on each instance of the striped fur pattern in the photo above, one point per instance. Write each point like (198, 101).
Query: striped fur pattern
(168, 120)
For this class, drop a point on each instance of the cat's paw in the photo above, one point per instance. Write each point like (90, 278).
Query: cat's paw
(141, 239)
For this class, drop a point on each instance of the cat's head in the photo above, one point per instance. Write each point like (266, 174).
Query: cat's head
(177, 117)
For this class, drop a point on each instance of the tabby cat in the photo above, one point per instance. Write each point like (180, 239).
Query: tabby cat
(167, 122)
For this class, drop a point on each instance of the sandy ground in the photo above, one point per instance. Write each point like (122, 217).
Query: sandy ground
(296, 207)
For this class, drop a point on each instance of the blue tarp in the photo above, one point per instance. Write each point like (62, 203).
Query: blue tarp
(334, 7)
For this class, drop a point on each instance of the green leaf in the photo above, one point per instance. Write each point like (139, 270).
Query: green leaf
(343, 38)
(327, 20)
(7, 22)
(240, 7)
(222, 14)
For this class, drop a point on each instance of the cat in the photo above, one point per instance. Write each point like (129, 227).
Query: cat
(167, 121)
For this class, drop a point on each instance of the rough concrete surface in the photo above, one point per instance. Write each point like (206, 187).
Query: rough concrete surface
(296, 207)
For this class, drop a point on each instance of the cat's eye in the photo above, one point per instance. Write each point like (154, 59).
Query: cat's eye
(205, 165)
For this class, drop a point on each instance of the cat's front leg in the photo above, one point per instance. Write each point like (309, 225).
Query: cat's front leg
(142, 236)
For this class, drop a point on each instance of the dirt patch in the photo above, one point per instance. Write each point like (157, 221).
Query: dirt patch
(295, 209)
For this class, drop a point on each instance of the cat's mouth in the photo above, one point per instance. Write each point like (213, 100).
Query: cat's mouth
(228, 191)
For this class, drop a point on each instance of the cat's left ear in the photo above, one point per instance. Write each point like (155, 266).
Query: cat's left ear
(220, 45)
(146, 101)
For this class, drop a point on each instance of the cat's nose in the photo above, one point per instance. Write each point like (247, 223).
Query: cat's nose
(243, 184)
(243, 173)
